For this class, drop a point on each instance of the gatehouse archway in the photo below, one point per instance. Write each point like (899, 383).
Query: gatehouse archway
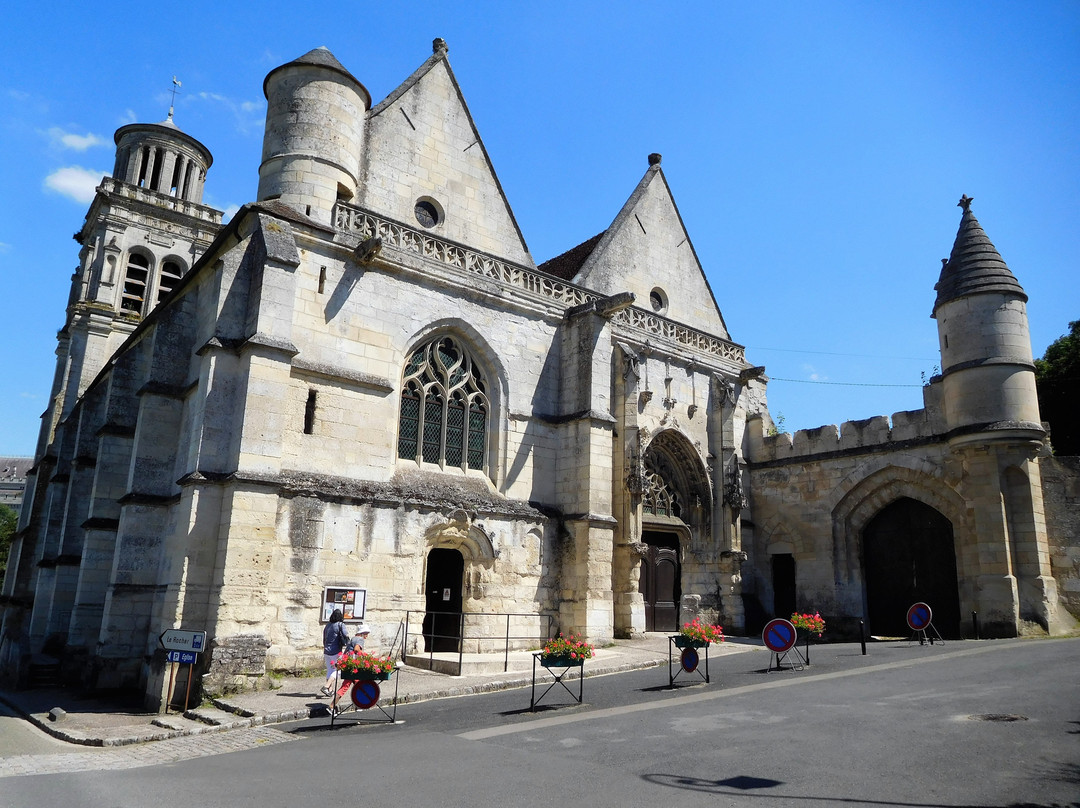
(909, 556)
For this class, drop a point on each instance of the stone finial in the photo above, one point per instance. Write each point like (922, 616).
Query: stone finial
(439, 44)
(965, 202)
(944, 263)
(654, 159)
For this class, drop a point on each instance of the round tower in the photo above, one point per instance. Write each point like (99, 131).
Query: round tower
(161, 158)
(314, 135)
(986, 364)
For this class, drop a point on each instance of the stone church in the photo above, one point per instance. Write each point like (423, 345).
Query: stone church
(363, 393)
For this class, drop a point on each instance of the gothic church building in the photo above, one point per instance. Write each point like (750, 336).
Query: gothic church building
(363, 393)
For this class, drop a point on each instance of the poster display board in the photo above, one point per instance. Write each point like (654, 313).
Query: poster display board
(351, 601)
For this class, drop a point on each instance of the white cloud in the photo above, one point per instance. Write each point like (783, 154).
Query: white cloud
(69, 140)
(75, 182)
(229, 212)
(129, 116)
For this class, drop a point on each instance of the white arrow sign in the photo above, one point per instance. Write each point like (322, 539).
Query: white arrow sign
(175, 639)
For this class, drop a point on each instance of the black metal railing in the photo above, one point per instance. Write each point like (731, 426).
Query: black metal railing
(434, 627)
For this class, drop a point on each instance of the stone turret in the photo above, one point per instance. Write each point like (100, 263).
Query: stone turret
(314, 135)
(987, 369)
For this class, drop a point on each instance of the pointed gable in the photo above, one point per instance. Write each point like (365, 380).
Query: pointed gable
(647, 251)
(423, 148)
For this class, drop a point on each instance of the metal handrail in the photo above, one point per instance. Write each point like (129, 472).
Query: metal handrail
(461, 637)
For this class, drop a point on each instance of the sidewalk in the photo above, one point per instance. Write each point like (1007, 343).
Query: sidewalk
(108, 720)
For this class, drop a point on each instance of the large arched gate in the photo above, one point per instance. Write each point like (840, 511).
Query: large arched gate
(909, 556)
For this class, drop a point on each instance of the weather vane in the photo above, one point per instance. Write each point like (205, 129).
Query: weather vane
(175, 89)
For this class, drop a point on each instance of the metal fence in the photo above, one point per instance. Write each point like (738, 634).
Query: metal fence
(487, 632)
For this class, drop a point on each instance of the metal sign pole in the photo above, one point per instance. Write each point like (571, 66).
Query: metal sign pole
(187, 695)
(168, 694)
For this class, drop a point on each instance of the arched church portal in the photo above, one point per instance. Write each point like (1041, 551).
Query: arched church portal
(443, 588)
(908, 557)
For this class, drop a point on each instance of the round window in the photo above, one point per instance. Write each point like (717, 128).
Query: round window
(427, 212)
(658, 300)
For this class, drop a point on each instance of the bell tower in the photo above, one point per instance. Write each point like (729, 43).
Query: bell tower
(144, 230)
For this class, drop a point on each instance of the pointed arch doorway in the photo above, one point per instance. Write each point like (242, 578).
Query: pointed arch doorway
(908, 557)
(442, 593)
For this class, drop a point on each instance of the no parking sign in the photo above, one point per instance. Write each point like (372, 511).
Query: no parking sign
(919, 616)
(779, 635)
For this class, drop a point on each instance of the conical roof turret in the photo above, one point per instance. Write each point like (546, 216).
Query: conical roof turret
(974, 266)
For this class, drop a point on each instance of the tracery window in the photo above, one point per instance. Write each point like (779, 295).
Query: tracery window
(659, 498)
(171, 272)
(444, 407)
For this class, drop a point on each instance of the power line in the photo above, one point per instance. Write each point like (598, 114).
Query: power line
(840, 384)
(836, 353)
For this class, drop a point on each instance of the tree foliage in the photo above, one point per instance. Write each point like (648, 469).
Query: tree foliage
(1057, 376)
(9, 520)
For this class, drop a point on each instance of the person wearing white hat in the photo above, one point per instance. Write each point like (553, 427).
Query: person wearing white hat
(360, 635)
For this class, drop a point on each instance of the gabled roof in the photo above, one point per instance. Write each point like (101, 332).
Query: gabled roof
(974, 266)
(646, 247)
(459, 148)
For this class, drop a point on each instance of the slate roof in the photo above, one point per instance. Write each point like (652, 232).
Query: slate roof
(321, 57)
(566, 266)
(974, 266)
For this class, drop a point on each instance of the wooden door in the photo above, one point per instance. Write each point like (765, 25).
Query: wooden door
(661, 581)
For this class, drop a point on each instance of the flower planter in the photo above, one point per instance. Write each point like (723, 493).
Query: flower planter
(682, 641)
(365, 676)
(560, 661)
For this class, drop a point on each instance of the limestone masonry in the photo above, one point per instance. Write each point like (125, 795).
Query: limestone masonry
(363, 393)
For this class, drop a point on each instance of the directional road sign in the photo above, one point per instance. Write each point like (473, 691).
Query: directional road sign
(175, 639)
(183, 657)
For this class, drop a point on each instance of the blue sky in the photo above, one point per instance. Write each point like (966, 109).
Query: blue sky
(816, 151)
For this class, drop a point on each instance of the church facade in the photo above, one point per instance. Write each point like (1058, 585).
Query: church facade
(363, 393)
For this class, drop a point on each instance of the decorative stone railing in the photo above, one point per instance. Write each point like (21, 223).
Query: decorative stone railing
(363, 224)
(205, 212)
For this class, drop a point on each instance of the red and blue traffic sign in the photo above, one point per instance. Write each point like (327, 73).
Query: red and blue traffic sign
(365, 694)
(689, 659)
(919, 616)
(779, 635)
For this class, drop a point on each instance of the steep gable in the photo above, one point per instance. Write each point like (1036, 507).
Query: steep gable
(423, 146)
(647, 249)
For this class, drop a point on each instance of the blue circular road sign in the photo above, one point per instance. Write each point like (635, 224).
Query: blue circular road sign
(689, 659)
(779, 635)
(365, 694)
(919, 616)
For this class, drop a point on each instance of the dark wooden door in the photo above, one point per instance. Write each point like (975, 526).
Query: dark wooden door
(783, 583)
(442, 620)
(908, 557)
(661, 584)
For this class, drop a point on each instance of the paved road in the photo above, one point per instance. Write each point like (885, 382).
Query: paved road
(892, 729)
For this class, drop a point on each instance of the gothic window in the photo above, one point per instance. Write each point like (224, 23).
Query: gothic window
(659, 497)
(444, 407)
(138, 270)
(170, 276)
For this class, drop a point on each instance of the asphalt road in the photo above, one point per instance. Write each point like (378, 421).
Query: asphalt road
(906, 725)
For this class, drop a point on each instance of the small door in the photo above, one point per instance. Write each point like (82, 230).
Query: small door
(661, 585)
(783, 585)
(442, 621)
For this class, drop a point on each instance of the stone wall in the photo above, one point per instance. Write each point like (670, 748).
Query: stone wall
(1061, 499)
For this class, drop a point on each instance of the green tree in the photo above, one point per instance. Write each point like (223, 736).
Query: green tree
(9, 520)
(1057, 377)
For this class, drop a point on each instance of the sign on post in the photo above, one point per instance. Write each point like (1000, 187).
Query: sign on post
(175, 639)
(183, 657)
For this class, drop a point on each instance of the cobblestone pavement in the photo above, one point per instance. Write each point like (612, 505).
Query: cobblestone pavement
(147, 754)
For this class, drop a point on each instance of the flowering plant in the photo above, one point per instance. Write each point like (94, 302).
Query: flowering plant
(362, 662)
(702, 632)
(811, 623)
(573, 647)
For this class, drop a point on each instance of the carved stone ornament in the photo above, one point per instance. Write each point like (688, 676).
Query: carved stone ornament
(639, 548)
(733, 490)
(691, 410)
